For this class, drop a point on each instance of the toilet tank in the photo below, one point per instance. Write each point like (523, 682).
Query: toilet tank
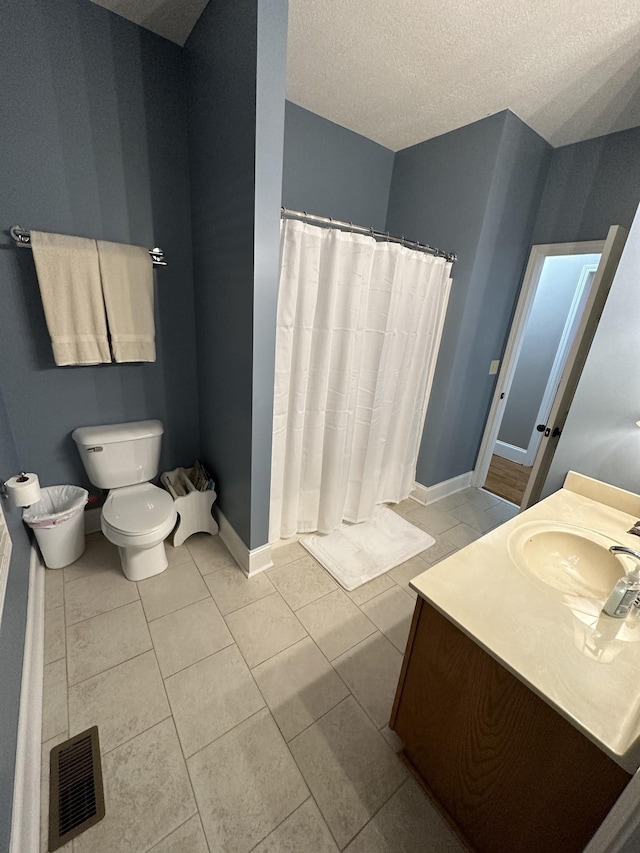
(118, 455)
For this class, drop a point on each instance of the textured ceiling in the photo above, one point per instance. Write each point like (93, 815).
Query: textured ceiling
(404, 71)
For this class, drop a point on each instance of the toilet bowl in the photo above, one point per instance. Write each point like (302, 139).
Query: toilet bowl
(138, 519)
(137, 516)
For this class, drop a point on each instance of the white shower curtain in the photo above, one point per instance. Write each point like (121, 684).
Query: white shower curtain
(359, 327)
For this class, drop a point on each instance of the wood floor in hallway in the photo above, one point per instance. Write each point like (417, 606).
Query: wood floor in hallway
(507, 479)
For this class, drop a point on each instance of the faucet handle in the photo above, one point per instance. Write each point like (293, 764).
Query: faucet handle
(622, 550)
(635, 529)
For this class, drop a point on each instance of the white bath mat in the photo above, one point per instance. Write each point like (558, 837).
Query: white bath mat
(357, 553)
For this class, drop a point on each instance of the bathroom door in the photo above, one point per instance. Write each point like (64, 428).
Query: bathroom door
(605, 273)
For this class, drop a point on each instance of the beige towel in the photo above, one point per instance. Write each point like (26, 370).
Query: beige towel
(127, 284)
(69, 279)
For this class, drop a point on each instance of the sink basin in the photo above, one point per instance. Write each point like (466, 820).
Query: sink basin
(570, 559)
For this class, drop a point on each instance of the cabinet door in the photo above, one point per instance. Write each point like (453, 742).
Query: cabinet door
(512, 774)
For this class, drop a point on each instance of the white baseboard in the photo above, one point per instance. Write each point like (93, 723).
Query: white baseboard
(92, 520)
(25, 818)
(260, 560)
(429, 494)
(252, 562)
(511, 452)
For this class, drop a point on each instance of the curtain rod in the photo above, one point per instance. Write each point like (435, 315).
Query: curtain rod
(328, 222)
(23, 240)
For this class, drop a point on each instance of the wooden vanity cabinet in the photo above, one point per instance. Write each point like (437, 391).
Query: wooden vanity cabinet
(510, 773)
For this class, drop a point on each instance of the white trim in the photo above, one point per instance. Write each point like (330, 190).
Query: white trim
(5, 559)
(537, 257)
(25, 817)
(252, 562)
(562, 353)
(429, 494)
(260, 560)
(511, 452)
(498, 498)
(419, 493)
(92, 520)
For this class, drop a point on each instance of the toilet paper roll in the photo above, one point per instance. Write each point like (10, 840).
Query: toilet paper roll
(23, 490)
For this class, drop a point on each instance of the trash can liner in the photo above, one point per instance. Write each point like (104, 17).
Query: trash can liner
(57, 504)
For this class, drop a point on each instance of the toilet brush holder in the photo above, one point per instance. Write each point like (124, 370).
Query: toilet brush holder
(193, 506)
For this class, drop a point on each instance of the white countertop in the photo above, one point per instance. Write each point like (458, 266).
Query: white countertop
(584, 664)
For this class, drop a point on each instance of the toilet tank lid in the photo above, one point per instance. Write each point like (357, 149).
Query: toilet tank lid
(113, 433)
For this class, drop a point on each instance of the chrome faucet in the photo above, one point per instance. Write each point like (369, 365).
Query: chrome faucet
(622, 550)
(625, 595)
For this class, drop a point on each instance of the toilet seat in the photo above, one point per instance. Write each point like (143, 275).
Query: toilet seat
(139, 516)
(142, 540)
(137, 510)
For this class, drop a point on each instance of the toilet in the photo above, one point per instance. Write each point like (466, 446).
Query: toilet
(137, 516)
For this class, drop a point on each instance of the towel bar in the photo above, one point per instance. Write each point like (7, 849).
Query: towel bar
(23, 239)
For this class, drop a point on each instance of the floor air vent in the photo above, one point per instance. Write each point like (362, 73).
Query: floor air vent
(76, 795)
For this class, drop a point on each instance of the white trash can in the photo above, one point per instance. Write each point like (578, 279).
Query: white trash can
(58, 523)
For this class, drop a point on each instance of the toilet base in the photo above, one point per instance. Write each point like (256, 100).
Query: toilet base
(140, 563)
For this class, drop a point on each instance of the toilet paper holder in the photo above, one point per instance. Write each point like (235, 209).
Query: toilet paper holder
(22, 490)
(4, 491)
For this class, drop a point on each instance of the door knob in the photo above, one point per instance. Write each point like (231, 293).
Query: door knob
(541, 427)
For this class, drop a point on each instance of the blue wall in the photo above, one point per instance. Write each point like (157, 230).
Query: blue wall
(486, 191)
(332, 171)
(236, 112)
(473, 191)
(93, 143)
(590, 186)
(12, 629)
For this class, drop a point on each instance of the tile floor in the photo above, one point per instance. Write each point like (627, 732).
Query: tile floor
(244, 715)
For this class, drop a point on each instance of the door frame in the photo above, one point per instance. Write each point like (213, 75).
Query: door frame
(568, 333)
(537, 256)
(596, 298)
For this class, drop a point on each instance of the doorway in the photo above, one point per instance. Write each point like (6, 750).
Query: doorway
(555, 290)
(561, 288)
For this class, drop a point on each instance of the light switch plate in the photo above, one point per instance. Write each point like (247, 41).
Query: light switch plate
(493, 367)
